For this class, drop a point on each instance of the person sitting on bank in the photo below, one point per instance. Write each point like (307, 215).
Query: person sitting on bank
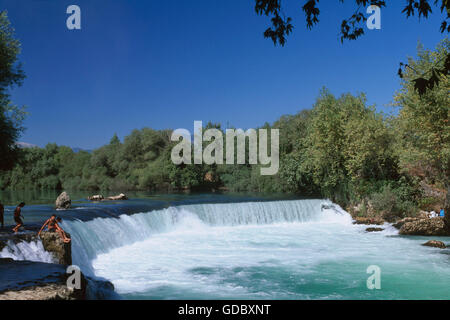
(2, 211)
(17, 216)
(53, 226)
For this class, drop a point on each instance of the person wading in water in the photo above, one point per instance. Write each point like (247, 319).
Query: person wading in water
(53, 226)
(17, 215)
(2, 211)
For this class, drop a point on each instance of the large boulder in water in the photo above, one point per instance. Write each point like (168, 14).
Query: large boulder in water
(425, 227)
(53, 243)
(63, 201)
(435, 244)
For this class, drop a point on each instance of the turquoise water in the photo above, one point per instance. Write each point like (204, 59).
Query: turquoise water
(269, 250)
(182, 248)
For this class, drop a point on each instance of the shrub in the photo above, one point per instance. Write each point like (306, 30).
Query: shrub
(428, 203)
(391, 205)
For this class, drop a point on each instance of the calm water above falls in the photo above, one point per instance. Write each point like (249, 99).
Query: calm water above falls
(288, 249)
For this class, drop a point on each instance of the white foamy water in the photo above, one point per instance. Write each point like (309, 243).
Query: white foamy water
(305, 249)
(31, 251)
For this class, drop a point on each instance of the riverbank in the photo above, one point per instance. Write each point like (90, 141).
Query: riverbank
(27, 280)
(36, 280)
(421, 225)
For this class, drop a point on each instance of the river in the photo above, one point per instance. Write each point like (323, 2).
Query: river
(212, 246)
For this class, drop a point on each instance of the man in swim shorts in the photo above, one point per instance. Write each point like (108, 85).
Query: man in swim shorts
(17, 217)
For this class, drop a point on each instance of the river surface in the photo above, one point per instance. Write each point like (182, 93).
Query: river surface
(212, 246)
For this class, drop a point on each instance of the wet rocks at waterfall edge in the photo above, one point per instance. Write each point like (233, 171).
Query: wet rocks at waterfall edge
(28, 280)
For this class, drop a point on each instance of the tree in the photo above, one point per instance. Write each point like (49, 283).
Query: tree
(423, 127)
(423, 119)
(351, 27)
(11, 74)
(115, 140)
(347, 144)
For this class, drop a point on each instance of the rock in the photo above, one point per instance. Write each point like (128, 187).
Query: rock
(401, 222)
(53, 243)
(425, 227)
(45, 292)
(424, 214)
(435, 244)
(63, 201)
(97, 197)
(118, 197)
(374, 229)
(27, 280)
(368, 221)
(100, 290)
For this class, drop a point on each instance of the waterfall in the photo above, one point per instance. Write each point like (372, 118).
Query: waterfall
(100, 235)
(31, 251)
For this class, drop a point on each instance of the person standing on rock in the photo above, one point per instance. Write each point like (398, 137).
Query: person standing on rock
(17, 215)
(53, 226)
(2, 211)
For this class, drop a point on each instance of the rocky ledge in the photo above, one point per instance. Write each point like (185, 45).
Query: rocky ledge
(51, 241)
(423, 227)
(26, 280)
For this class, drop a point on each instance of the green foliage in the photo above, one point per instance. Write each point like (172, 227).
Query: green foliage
(341, 149)
(390, 203)
(11, 74)
(346, 144)
(422, 124)
(352, 27)
(428, 203)
(138, 163)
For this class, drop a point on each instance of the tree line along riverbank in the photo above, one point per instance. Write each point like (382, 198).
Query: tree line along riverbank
(390, 166)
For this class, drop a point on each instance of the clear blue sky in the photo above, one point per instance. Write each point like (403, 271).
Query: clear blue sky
(164, 64)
